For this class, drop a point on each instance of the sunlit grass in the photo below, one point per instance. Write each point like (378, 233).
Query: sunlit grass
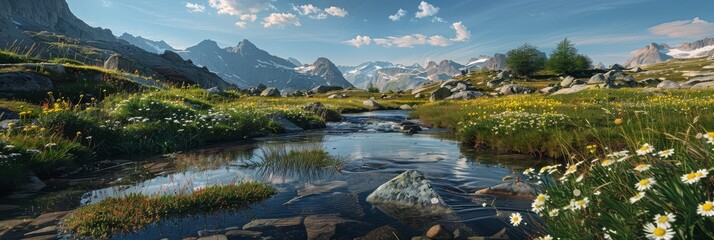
(307, 162)
(131, 213)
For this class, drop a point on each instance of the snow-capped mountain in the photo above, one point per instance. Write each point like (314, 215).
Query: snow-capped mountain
(387, 76)
(246, 65)
(656, 53)
(146, 44)
(477, 62)
(294, 61)
(497, 62)
(361, 75)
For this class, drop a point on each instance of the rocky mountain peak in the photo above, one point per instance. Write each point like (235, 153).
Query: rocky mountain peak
(697, 44)
(245, 47)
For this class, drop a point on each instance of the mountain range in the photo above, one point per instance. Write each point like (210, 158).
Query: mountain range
(37, 27)
(656, 53)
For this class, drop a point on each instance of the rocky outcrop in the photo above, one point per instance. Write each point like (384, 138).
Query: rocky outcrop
(270, 92)
(440, 94)
(12, 83)
(326, 89)
(651, 54)
(512, 89)
(327, 114)
(573, 89)
(497, 62)
(518, 189)
(372, 104)
(409, 190)
(668, 84)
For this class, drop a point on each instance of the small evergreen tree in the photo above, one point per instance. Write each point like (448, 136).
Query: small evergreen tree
(525, 60)
(563, 58)
(583, 62)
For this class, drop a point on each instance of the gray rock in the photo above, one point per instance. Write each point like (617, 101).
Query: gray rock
(270, 92)
(405, 107)
(8, 114)
(617, 67)
(451, 83)
(419, 96)
(326, 89)
(548, 90)
(668, 84)
(214, 237)
(504, 75)
(48, 219)
(515, 89)
(465, 95)
(324, 226)
(573, 89)
(649, 81)
(273, 223)
(567, 82)
(520, 189)
(373, 104)
(334, 96)
(637, 70)
(289, 126)
(409, 190)
(19, 82)
(597, 79)
(460, 87)
(214, 90)
(324, 112)
(440, 94)
(494, 83)
(704, 85)
(42, 231)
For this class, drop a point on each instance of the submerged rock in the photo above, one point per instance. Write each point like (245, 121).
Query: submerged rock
(409, 190)
(324, 226)
(517, 189)
(439, 232)
(382, 233)
(273, 223)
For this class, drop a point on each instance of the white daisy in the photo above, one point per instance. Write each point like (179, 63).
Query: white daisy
(528, 171)
(694, 177)
(537, 207)
(666, 153)
(516, 219)
(571, 169)
(541, 198)
(710, 137)
(637, 197)
(645, 184)
(606, 162)
(581, 204)
(645, 149)
(658, 232)
(546, 237)
(642, 167)
(665, 220)
(554, 213)
(706, 209)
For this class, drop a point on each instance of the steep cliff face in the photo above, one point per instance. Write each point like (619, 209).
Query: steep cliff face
(651, 54)
(656, 53)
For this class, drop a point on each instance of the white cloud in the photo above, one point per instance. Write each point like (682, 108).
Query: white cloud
(281, 20)
(438, 19)
(695, 28)
(240, 7)
(306, 9)
(106, 3)
(249, 17)
(412, 40)
(400, 13)
(426, 10)
(242, 25)
(438, 40)
(195, 7)
(336, 12)
(319, 16)
(360, 41)
(462, 34)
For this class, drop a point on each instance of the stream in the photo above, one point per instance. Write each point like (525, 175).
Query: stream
(372, 152)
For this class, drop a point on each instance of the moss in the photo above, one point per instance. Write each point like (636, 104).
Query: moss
(133, 212)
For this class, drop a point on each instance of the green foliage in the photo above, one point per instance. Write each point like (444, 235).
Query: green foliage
(66, 61)
(525, 60)
(583, 62)
(562, 60)
(310, 162)
(11, 57)
(131, 213)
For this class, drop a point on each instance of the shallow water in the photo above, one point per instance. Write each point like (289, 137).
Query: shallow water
(373, 152)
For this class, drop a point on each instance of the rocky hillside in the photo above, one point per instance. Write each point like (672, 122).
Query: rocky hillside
(657, 53)
(495, 63)
(157, 47)
(36, 27)
(246, 65)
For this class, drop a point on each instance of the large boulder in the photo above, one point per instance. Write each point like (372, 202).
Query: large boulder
(466, 95)
(270, 92)
(494, 83)
(440, 94)
(573, 89)
(504, 75)
(597, 79)
(451, 83)
(668, 84)
(409, 190)
(550, 89)
(371, 103)
(704, 85)
(328, 114)
(649, 81)
(12, 83)
(325, 89)
(289, 126)
(118, 62)
(567, 82)
(516, 89)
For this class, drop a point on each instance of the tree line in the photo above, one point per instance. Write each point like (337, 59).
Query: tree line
(527, 60)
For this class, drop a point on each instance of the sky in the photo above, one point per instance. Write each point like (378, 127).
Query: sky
(350, 32)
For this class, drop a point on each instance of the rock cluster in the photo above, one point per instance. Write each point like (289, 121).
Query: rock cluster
(409, 190)
(453, 89)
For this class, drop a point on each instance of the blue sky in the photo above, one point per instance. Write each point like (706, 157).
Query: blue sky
(606, 30)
